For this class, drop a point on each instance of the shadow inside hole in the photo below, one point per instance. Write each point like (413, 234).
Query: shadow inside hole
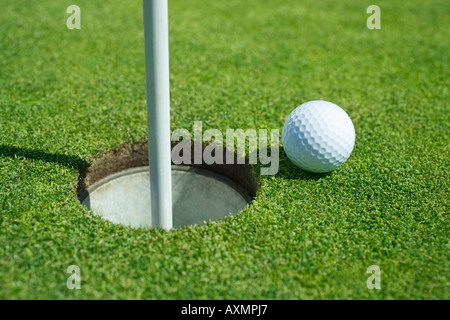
(117, 187)
(197, 196)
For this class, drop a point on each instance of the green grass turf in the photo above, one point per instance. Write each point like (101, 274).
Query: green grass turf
(68, 95)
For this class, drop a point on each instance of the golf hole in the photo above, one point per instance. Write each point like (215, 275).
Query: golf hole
(117, 188)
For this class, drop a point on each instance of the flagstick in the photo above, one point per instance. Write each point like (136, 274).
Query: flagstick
(156, 32)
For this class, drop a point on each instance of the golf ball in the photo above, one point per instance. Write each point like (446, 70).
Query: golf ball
(318, 136)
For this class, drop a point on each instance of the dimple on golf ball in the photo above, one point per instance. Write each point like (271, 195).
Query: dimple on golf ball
(318, 136)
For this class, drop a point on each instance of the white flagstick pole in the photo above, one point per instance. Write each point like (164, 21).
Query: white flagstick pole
(156, 31)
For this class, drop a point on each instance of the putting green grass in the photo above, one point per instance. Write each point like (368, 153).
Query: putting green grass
(67, 96)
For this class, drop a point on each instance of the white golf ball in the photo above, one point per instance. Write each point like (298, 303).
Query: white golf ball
(318, 136)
